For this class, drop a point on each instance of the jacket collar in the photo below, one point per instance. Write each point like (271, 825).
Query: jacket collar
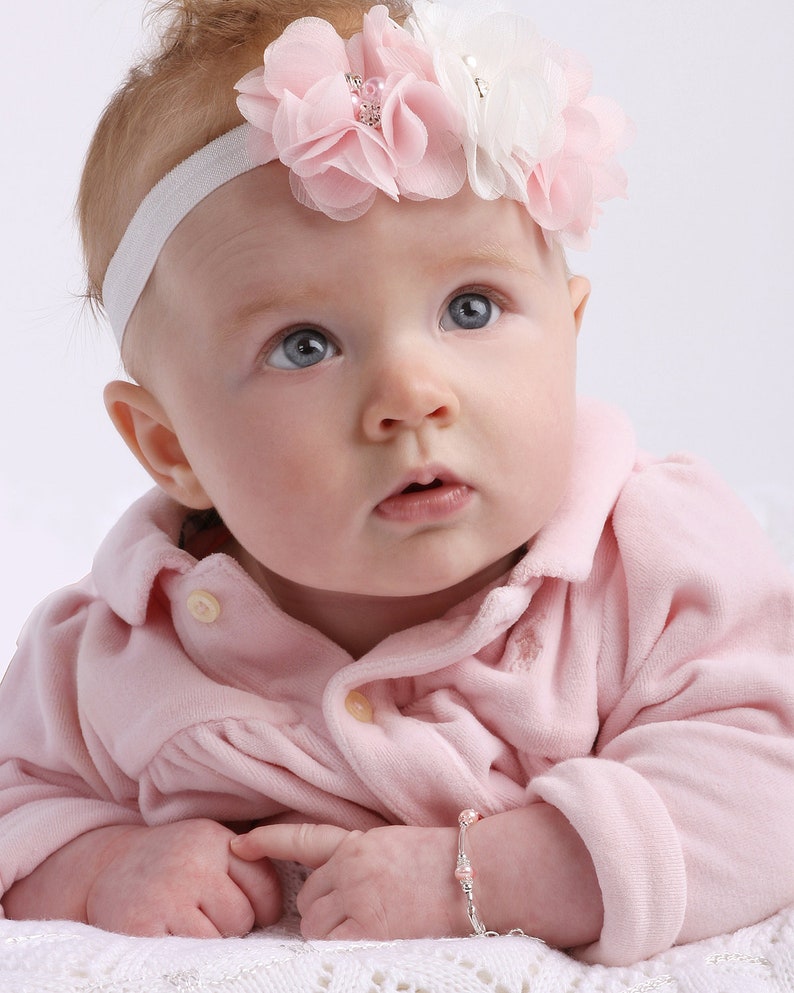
(604, 457)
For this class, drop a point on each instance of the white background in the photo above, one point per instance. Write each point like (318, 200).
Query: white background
(689, 327)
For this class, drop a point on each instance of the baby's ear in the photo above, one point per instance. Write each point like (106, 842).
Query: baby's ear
(579, 288)
(144, 425)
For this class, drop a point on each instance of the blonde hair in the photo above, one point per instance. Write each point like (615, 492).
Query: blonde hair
(177, 100)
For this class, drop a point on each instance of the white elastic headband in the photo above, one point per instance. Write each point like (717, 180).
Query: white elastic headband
(177, 193)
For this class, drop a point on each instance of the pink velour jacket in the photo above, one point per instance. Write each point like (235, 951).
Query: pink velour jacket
(635, 670)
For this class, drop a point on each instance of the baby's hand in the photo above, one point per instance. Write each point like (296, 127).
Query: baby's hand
(389, 882)
(181, 879)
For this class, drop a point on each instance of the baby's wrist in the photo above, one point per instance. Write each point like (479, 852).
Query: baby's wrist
(101, 848)
(534, 873)
(468, 877)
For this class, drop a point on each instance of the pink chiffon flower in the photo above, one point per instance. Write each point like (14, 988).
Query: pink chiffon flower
(351, 118)
(565, 190)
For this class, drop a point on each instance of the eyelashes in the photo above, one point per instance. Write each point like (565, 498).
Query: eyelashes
(470, 311)
(301, 349)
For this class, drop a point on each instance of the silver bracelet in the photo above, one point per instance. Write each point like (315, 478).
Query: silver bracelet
(464, 873)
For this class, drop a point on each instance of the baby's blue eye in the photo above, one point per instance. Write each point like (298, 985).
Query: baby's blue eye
(470, 312)
(301, 349)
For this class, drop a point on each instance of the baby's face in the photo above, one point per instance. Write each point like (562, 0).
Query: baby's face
(383, 406)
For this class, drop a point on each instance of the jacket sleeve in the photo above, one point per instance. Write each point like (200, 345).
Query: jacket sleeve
(686, 803)
(56, 780)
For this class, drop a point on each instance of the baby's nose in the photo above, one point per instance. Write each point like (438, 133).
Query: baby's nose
(406, 394)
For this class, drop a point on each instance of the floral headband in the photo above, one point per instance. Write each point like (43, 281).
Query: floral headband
(411, 111)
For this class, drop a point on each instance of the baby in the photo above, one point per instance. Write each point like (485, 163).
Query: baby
(401, 608)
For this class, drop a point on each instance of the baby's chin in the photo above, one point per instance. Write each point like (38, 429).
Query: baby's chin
(452, 581)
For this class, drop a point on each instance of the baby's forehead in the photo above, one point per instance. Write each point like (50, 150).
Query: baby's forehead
(258, 209)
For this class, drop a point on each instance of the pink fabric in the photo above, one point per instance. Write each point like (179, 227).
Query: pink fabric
(302, 109)
(565, 190)
(636, 670)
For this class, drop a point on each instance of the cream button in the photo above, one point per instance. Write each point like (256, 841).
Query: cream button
(203, 606)
(358, 706)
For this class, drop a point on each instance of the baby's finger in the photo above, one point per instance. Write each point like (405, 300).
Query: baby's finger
(228, 908)
(310, 844)
(320, 917)
(183, 921)
(192, 923)
(259, 882)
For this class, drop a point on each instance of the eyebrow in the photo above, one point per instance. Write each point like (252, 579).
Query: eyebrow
(240, 317)
(492, 253)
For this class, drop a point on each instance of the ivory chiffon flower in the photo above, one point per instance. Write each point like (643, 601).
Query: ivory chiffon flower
(492, 64)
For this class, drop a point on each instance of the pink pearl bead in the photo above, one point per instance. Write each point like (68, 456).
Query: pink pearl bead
(464, 872)
(373, 88)
(468, 817)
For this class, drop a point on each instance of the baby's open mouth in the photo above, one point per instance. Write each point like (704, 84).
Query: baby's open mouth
(420, 487)
(422, 503)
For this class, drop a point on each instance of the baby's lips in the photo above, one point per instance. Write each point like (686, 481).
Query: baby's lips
(423, 478)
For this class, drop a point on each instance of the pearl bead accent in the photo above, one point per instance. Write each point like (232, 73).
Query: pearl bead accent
(366, 96)
(373, 88)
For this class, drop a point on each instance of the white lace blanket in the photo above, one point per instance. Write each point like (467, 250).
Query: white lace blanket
(57, 957)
